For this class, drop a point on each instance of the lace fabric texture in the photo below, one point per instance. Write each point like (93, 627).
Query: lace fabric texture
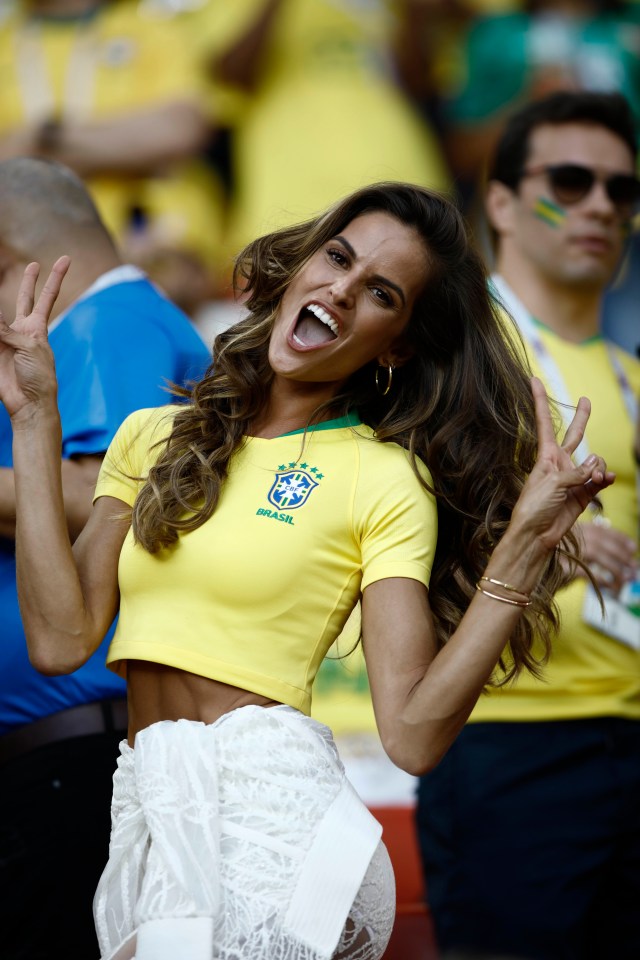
(219, 821)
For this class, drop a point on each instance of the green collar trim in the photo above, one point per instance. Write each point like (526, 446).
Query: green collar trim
(351, 419)
(594, 338)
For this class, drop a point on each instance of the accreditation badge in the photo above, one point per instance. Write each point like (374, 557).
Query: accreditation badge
(621, 619)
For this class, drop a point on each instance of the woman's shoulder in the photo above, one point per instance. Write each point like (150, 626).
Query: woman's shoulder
(150, 423)
(140, 436)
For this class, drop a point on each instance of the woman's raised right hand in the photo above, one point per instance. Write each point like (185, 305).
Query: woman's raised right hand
(557, 491)
(27, 369)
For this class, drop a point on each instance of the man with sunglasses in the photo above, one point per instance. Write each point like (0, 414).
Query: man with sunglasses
(530, 826)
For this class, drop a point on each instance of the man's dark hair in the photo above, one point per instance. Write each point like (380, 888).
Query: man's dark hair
(609, 110)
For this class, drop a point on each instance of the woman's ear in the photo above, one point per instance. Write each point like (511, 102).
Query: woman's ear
(397, 355)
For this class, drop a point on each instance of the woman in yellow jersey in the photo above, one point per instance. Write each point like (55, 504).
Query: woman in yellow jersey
(370, 395)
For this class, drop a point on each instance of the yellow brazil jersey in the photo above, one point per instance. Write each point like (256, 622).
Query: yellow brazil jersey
(589, 674)
(256, 595)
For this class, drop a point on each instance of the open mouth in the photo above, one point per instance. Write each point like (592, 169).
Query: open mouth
(315, 327)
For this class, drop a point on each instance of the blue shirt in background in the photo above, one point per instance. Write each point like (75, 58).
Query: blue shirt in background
(115, 350)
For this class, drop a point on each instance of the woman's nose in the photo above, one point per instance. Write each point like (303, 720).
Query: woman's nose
(343, 290)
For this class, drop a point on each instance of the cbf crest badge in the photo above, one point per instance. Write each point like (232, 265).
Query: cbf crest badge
(292, 488)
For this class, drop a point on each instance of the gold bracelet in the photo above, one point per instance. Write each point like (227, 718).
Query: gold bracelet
(494, 596)
(507, 586)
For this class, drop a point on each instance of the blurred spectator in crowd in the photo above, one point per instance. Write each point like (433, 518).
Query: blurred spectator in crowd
(429, 34)
(116, 342)
(433, 36)
(112, 92)
(530, 826)
(326, 112)
(511, 58)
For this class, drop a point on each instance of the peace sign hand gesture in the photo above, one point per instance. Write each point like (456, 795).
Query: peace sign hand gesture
(557, 491)
(27, 370)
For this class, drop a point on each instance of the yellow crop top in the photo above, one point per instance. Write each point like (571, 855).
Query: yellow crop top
(256, 595)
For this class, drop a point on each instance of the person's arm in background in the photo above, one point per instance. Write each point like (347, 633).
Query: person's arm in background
(79, 477)
(609, 553)
(135, 143)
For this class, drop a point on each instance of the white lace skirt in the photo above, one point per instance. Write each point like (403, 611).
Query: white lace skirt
(241, 840)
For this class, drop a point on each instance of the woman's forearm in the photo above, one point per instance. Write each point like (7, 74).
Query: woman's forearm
(52, 590)
(423, 695)
(49, 590)
(553, 497)
(441, 702)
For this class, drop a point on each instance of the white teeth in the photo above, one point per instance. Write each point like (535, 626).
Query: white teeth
(324, 317)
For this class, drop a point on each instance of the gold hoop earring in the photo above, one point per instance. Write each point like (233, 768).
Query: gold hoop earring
(387, 387)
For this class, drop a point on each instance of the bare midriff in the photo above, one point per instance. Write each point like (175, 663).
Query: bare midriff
(157, 692)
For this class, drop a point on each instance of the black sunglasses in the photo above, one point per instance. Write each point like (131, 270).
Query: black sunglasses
(571, 182)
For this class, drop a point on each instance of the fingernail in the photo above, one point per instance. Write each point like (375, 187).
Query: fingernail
(591, 459)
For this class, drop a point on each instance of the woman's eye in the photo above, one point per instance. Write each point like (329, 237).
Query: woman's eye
(381, 294)
(338, 256)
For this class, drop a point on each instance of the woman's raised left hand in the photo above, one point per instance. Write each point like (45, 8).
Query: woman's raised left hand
(557, 491)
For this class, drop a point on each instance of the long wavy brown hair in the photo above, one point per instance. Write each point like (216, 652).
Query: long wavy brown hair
(462, 404)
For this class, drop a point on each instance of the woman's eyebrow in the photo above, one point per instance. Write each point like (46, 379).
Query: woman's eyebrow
(378, 277)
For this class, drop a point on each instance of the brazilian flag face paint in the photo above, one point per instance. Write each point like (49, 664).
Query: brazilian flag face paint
(549, 212)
